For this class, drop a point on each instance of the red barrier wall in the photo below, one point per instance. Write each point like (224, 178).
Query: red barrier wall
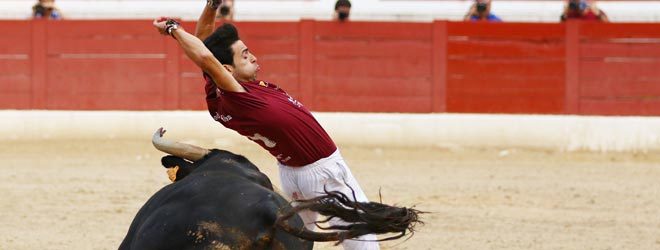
(16, 65)
(512, 68)
(573, 68)
(619, 69)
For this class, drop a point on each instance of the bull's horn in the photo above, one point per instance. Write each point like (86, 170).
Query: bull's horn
(183, 150)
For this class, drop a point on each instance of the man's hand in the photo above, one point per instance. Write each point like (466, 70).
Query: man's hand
(160, 24)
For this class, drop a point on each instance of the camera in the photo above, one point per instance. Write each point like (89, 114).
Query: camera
(342, 16)
(576, 5)
(224, 10)
(481, 7)
(41, 10)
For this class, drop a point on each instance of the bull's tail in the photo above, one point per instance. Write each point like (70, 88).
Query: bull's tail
(362, 218)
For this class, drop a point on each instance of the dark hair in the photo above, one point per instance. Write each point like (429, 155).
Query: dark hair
(342, 3)
(38, 10)
(219, 43)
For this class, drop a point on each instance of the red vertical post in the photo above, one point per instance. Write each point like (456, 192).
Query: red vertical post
(572, 102)
(38, 63)
(172, 88)
(306, 63)
(439, 63)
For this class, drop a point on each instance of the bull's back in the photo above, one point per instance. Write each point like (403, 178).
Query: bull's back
(211, 210)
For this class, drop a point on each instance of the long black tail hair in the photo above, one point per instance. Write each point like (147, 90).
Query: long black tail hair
(361, 218)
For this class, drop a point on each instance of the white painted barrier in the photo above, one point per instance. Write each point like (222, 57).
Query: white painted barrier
(563, 133)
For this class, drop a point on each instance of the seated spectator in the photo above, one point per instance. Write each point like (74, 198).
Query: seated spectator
(582, 10)
(342, 10)
(480, 11)
(45, 9)
(226, 11)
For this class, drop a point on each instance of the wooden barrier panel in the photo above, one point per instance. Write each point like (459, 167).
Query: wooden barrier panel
(538, 68)
(373, 67)
(16, 65)
(505, 68)
(104, 65)
(618, 67)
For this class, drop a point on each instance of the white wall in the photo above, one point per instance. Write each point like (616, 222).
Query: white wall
(561, 133)
(393, 10)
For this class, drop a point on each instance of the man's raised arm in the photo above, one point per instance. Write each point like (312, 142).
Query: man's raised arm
(206, 21)
(199, 54)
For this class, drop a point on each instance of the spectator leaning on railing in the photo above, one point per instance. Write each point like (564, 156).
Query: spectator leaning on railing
(583, 10)
(46, 9)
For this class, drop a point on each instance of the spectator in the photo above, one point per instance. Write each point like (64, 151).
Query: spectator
(583, 10)
(342, 10)
(226, 11)
(480, 11)
(46, 9)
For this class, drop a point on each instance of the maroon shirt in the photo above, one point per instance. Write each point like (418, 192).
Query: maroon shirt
(270, 117)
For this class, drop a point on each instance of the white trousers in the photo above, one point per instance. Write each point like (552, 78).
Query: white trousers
(309, 181)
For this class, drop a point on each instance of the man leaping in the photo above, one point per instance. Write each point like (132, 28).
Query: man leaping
(307, 157)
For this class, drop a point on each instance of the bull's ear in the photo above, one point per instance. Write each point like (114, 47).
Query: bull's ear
(171, 161)
(171, 173)
(177, 167)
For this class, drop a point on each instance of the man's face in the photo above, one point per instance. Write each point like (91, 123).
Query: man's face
(245, 63)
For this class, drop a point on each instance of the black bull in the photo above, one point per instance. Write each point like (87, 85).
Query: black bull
(223, 201)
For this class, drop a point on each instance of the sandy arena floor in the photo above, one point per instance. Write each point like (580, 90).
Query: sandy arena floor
(83, 195)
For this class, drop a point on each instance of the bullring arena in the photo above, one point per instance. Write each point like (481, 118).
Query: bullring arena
(525, 134)
(76, 183)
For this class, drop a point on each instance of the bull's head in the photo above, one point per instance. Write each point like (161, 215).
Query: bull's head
(185, 158)
(178, 163)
